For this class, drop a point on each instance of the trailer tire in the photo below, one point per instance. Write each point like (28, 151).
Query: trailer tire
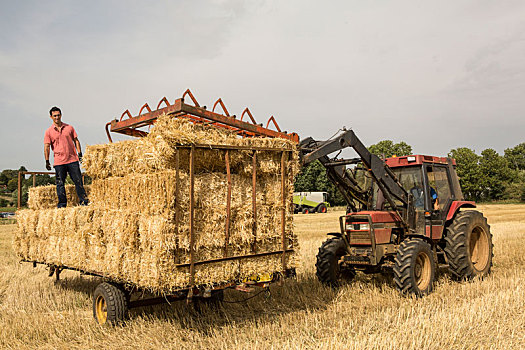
(110, 304)
(468, 246)
(328, 269)
(415, 267)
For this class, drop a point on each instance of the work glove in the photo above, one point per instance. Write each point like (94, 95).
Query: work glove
(80, 157)
(48, 165)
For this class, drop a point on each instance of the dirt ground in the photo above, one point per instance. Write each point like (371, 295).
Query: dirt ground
(36, 312)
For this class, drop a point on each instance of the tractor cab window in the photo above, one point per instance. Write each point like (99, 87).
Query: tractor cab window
(440, 193)
(412, 181)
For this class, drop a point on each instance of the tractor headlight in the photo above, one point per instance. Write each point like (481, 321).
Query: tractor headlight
(358, 226)
(364, 227)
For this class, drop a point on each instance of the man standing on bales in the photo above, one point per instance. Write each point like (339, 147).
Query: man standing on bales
(63, 139)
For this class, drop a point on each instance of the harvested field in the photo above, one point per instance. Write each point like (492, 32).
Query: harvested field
(367, 314)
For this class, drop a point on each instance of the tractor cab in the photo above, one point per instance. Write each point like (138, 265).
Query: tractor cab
(432, 181)
(433, 184)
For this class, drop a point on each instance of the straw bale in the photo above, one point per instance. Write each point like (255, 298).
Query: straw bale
(151, 194)
(45, 197)
(27, 221)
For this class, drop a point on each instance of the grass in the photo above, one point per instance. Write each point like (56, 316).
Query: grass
(35, 312)
(8, 209)
(5, 221)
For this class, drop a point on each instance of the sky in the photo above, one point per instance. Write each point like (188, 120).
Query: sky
(435, 74)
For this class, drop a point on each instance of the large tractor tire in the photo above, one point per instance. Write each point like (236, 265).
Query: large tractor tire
(469, 246)
(415, 267)
(110, 304)
(328, 269)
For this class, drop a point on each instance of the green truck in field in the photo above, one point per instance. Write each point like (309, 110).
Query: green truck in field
(310, 202)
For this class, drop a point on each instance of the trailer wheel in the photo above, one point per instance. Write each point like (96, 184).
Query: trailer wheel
(307, 210)
(321, 208)
(414, 268)
(469, 246)
(110, 304)
(328, 268)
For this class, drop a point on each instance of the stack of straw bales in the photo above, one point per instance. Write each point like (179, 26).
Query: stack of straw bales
(137, 226)
(45, 197)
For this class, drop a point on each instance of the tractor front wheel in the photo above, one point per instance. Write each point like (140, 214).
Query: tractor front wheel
(414, 268)
(110, 304)
(328, 267)
(469, 245)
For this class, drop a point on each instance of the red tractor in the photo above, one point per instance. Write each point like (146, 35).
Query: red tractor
(408, 220)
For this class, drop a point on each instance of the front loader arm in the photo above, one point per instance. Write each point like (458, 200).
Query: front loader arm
(335, 170)
(386, 180)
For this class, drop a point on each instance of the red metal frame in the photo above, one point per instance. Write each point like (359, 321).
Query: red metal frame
(129, 125)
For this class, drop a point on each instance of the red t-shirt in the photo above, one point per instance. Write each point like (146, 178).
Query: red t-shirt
(62, 144)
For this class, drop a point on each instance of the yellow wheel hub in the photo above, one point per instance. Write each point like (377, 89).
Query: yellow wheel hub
(101, 309)
(479, 248)
(422, 271)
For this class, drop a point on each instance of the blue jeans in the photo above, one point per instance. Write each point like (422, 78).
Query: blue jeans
(61, 172)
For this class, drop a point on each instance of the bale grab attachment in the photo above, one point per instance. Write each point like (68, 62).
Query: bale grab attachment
(132, 126)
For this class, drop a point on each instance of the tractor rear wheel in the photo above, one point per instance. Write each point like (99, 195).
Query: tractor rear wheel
(321, 208)
(469, 246)
(110, 304)
(414, 268)
(306, 210)
(328, 267)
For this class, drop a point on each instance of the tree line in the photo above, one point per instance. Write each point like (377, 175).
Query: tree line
(491, 176)
(488, 176)
(9, 186)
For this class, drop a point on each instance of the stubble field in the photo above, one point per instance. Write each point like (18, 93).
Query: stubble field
(36, 312)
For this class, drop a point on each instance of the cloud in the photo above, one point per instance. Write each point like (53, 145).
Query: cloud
(435, 75)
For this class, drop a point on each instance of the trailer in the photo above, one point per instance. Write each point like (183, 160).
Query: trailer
(113, 298)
